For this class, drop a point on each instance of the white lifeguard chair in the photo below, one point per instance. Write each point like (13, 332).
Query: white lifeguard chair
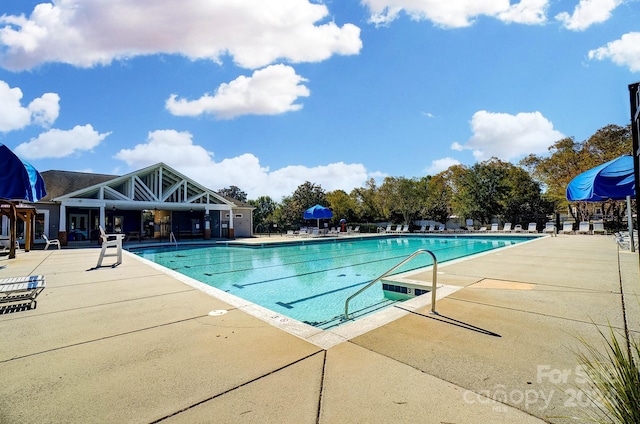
(110, 240)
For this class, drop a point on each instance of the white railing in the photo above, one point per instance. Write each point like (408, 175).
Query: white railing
(172, 239)
(410, 257)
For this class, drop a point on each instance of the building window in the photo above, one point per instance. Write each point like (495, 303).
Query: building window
(238, 215)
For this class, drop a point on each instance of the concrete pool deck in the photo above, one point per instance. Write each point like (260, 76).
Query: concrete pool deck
(132, 344)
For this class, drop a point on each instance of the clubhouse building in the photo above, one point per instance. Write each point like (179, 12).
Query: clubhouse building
(156, 202)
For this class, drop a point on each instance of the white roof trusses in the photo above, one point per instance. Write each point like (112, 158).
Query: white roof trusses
(155, 184)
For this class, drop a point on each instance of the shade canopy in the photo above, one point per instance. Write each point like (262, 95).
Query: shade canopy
(613, 180)
(318, 212)
(19, 180)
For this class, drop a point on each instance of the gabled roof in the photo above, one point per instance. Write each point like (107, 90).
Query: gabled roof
(157, 184)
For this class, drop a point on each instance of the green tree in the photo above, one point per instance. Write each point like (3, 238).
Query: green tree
(305, 196)
(234, 192)
(555, 171)
(525, 201)
(264, 209)
(481, 190)
(437, 205)
(342, 205)
(452, 177)
(367, 203)
(402, 198)
(607, 144)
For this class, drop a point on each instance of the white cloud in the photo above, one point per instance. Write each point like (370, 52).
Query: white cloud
(587, 13)
(458, 13)
(509, 136)
(169, 146)
(42, 111)
(177, 150)
(59, 143)
(457, 146)
(269, 91)
(440, 165)
(623, 52)
(255, 33)
(528, 12)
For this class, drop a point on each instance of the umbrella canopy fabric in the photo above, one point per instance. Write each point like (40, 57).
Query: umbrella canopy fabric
(318, 212)
(19, 179)
(612, 180)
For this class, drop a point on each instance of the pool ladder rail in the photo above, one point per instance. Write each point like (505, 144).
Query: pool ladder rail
(172, 239)
(407, 259)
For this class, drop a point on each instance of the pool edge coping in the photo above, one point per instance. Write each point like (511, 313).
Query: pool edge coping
(327, 339)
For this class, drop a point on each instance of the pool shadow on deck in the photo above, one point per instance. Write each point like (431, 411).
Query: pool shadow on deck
(452, 321)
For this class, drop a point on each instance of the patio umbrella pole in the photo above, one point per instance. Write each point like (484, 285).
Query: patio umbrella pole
(632, 242)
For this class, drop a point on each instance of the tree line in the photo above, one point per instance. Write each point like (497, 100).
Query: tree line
(531, 191)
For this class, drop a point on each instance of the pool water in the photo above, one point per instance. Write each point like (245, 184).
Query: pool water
(310, 281)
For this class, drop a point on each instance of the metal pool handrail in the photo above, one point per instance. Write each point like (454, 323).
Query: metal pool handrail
(172, 239)
(410, 257)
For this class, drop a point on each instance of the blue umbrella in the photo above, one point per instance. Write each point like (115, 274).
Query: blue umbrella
(19, 180)
(318, 212)
(612, 180)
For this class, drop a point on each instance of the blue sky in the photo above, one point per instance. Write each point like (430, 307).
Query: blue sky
(268, 94)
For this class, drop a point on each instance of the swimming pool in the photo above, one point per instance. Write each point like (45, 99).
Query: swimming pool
(309, 281)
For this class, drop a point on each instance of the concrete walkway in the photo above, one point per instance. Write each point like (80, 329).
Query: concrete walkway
(133, 345)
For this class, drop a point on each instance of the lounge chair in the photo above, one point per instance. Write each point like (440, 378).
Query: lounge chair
(355, 230)
(584, 228)
(598, 227)
(623, 239)
(494, 228)
(405, 229)
(532, 228)
(290, 233)
(20, 289)
(482, 230)
(567, 228)
(441, 228)
(385, 230)
(507, 227)
(54, 242)
(469, 225)
(5, 243)
(517, 228)
(431, 228)
(550, 228)
(421, 230)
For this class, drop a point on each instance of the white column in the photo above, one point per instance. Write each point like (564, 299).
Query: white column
(230, 218)
(63, 219)
(102, 217)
